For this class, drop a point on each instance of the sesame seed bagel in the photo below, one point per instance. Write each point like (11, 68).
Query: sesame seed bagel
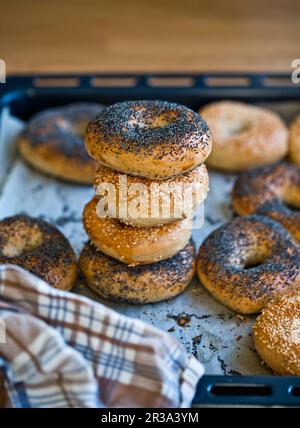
(140, 201)
(249, 261)
(244, 136)
(153, 139)
(294, 141)
(40, 248)
(135, 245)
(273, 191)
(53, 142)
(276, 334)
(153, 282)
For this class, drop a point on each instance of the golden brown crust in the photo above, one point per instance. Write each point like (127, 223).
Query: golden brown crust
(53, 142)
(154, 282)
(153, 139)
(135, 245)
(49, 161)
(289, 218)
(193, 183)
(273, 191)
(249, 261)
(40, 248)
(294, 141)
(244, 136)
(276, 334)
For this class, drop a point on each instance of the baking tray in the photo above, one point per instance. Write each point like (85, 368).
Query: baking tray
(214, 334)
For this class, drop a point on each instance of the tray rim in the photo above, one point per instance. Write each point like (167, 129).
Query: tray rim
(256, 82)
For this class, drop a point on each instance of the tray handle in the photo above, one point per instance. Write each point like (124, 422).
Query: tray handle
(247, 391)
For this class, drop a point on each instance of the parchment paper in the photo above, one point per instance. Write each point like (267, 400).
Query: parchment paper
(218, 337)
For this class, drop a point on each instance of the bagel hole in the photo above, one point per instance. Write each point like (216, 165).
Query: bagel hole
(255, 260)
(162, 120)
(23, 244)
(291, 205)
(144, 122)
(78, 129)
(235, 128)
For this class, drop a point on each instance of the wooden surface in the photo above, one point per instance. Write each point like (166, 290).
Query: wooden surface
(141, 35)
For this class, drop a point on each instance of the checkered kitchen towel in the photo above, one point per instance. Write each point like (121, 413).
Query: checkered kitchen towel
(58, 349)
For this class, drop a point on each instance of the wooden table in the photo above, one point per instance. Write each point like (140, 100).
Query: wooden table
(139, 35)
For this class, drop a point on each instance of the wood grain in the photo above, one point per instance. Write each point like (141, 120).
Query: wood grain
(137, 35)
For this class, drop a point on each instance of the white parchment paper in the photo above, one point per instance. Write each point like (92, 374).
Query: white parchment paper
(219, 338)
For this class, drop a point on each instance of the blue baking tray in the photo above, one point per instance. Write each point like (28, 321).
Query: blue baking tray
(25, 95)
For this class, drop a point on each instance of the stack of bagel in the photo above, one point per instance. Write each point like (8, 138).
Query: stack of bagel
(150, 180)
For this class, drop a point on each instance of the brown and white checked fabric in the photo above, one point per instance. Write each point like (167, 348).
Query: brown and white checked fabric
(63, 350)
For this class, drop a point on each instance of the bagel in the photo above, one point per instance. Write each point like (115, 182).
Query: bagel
(249, 261)
(163, 202)
(276, 335)
(273, 191)
(153, 139)
(244, 136)
(53, 142)
(294, 141)
(40, 248)
(149, 283)
(135, 245)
